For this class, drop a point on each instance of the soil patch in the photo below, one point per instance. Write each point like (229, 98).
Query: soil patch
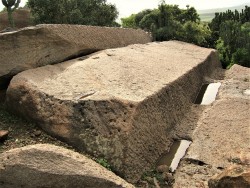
(22, 132)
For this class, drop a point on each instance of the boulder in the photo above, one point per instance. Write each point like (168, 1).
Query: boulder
(45, 165)
(232, 177)
(119, 103)
(41, 45)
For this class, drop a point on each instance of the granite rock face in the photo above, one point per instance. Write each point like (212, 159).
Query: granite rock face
(118, 103)
(45, 165)
(221, 138)
(41, 45)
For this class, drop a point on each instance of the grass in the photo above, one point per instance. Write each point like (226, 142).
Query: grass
(104, 163)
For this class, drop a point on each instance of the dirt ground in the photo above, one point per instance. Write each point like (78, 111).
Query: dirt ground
(21, 132)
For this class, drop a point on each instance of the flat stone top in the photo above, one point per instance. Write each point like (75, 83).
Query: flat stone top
(129, 73)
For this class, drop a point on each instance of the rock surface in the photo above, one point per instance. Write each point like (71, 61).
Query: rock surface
(41, 45)
(45, 165)
(233, 177)
(119, 103)
(222, 135)
(3, 135)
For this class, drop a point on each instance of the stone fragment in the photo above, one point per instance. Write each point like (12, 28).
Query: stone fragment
(45, 165)
(37, 133)
(162, 168)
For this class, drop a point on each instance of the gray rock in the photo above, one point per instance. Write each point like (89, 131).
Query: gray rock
(41, 45)
(119, 103)
(45, 165)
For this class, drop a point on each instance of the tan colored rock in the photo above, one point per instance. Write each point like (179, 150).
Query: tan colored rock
(162, 168)
(223, 131)
(45, 165)
(237, 72)
(233, 177)
(3, 135)
(222, 135)
(42, 45)
(119, 103)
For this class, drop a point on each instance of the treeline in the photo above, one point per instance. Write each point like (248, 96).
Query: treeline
(169, 22)
(231, 36)
(87, 12)
(228, 32)
(82, 12)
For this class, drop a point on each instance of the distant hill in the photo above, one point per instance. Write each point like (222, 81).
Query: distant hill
(208, 15)
(21, 18)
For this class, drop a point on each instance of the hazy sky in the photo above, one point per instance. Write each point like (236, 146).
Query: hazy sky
(128, 7)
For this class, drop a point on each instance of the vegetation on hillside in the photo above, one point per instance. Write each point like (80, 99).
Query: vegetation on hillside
(88, 12)
(231, 36)
(229, 32)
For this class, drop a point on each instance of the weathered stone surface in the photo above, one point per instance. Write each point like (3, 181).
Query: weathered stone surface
(118, 103)
(42, 45)
(237, 72)
(223, 132)
(44, 165)
(224, 127)
(3, 135)
(233, 177)
(222, 135)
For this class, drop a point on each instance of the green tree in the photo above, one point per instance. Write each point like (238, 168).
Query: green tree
(169, 22)
(196, 33)
(149, 19)
(190, 14)
(87, 12)
(11, 6)
(224, 53)
(129, 22)
(139, 16)
(234, 43)
(242, 57)
(220, 18)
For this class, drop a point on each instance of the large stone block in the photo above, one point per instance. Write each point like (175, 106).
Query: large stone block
(120, 104)
(45, 165)
(42, 45)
